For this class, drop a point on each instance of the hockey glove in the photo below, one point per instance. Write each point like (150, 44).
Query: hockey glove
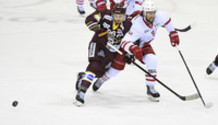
(137, 51)
(95, 28)
(128, 58)
(174, 38)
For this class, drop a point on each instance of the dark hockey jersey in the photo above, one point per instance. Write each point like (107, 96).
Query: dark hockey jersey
(112, 32)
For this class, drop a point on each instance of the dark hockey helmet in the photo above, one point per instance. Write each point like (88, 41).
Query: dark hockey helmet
(119, 9)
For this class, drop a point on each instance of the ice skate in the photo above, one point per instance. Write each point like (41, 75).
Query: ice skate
(97, 85)
(211, 68)
(153, 95)
(79, 80)
(79, 98)
(81, 10)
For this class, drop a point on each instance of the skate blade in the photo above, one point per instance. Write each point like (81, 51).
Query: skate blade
(78, 104)
(153, 99)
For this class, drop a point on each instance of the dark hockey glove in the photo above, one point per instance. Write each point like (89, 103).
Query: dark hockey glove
(128, 58)
(95, 28)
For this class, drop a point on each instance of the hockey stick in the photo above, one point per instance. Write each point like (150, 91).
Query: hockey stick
(208, 105)
(186, 28)
(184, 98)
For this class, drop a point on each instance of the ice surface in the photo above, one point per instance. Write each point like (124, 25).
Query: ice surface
(43, 44)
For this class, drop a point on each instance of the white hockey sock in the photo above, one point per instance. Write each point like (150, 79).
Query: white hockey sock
(103, 79)
(150, 81)
(80, 3)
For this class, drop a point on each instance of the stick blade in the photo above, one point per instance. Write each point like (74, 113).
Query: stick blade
(192, 97)
(208, 105)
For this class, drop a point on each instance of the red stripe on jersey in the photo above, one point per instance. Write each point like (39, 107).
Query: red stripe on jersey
(150, 26)
(125, 45)
(112, 4)
(139, 3)
(145, 44)
(167, 22)
(122, 2)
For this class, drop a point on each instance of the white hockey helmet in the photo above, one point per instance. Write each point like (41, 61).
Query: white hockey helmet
(149, 6)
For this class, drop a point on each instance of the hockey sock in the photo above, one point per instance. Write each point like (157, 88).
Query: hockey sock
(149, 80)
(87, 79)
(103, 79)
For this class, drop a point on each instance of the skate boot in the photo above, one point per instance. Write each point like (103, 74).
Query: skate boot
(97, 84)
(153, 95)
(81, 10)
(79, 80)
(211, 68)
(79, 98)
(93, 5)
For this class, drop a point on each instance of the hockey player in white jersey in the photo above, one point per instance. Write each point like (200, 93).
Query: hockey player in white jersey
(144, 29)
(133, 7)
(80, 5)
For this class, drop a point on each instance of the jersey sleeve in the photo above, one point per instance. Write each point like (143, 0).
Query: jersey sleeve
(127, 26)
(138, 5)
(93, 19)
(96, 18)
(101, 4)
(166, 22)
(131, 36)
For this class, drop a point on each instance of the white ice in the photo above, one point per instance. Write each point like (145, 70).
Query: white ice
(43, 44)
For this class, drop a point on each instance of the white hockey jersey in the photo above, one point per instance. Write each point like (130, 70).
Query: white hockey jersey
(131, 5)
(144, 32)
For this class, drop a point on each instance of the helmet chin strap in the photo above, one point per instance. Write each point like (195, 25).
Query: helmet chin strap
(145, 17)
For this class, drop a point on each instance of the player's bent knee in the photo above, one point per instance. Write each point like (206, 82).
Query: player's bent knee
(97, 68)
(112, 72)
(150, 60)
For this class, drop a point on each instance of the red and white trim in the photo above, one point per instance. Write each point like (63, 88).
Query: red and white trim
(149, 78)
(126, 45)
(139, 3)
(167, 22)
(146, 23)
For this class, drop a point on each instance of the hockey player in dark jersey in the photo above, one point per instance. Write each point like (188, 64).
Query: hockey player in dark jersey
(109, 26)
(212, 66)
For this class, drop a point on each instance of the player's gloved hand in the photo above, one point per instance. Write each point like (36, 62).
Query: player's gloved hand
(174, 38)
(128, 58)
(95, 28)
(137, 51)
